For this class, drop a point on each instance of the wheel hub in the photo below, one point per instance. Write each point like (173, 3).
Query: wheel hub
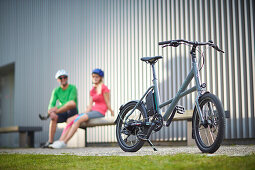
(132, 126)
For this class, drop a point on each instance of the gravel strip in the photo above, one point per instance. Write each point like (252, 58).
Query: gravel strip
(237, 150)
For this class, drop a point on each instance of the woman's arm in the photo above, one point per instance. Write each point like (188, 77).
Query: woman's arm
(108, 103)
(90, 105)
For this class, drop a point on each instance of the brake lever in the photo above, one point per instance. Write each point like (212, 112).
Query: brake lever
(166, 46)
(174, 44)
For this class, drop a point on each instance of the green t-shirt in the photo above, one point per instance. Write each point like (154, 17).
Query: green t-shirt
(63, 96)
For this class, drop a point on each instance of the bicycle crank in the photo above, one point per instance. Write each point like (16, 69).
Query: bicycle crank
(178, 109)
(158, 121)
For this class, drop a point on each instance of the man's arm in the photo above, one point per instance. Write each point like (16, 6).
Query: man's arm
(53, 101)
(69, 105)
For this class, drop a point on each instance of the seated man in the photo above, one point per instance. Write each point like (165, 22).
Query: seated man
(66, 94)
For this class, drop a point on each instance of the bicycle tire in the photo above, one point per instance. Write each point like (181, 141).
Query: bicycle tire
(217, 119)
(119, 127)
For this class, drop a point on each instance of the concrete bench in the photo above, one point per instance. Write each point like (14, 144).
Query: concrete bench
(96, 122)
(186, 116)
(110, 121)
(105, 121)
(26, 134)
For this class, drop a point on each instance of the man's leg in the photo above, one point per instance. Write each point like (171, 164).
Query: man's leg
(52, 130)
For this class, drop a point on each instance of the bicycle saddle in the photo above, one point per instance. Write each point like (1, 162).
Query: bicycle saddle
(151, 60)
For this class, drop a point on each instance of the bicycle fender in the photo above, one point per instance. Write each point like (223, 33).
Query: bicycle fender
(123, 106)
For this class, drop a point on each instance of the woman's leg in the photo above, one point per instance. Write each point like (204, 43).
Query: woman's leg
(75, 126)
(69, 123)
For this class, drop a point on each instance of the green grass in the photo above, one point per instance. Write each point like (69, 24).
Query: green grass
(179, 161)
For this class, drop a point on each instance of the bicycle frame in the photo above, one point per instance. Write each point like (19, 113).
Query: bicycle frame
(181, 92)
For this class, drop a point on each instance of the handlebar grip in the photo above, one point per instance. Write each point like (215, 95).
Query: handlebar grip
(220, 50)
(217, 48)
(164, 42)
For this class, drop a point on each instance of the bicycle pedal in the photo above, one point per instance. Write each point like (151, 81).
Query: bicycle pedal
(180, 109)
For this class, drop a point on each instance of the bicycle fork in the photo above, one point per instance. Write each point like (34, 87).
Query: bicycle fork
(198, 85)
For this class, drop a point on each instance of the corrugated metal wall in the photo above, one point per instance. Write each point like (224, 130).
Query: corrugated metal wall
(44, 36)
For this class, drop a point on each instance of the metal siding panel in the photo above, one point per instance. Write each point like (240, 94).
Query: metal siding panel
(229, 55)
(237, 69)
(252, 70)
(186, 53)
(82, 35)
(243, 79)
(225, 66)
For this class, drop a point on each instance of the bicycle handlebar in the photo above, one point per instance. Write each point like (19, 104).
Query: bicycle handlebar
(176, 43)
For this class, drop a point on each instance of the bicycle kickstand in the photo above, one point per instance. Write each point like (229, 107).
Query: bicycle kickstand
(154, 148)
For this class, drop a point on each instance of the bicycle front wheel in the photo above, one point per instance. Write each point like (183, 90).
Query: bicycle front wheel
(209, 135)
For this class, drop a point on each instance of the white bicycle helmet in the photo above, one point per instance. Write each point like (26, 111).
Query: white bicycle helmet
(61, 72)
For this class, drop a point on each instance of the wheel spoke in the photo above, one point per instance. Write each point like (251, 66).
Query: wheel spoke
(206, 136)
(126, 138)
(215, 136)
(211, 134)
(131, 142)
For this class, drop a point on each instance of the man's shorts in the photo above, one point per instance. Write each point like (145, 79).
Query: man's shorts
(62, 117)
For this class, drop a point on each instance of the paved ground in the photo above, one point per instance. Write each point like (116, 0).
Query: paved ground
(237, 150)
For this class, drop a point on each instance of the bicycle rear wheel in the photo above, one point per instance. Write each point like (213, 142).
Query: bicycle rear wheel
(127, 136)
(209, 136)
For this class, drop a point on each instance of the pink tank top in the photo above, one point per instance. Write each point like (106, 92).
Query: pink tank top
(98, 99)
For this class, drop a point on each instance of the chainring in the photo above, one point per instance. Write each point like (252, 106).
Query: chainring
(158, 121)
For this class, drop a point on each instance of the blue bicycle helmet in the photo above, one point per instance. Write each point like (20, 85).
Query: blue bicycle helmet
(98, 71)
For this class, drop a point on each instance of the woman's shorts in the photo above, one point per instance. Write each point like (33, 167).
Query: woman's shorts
(91, 115)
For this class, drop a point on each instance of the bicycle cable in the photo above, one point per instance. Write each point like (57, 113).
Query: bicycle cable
(201, 52)
(203, 56)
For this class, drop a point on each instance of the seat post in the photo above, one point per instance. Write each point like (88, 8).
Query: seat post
(153, 71)
(155, 83)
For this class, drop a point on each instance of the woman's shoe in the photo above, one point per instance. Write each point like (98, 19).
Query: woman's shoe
(58, 144)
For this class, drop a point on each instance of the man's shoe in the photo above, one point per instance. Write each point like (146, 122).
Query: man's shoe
(46, 145)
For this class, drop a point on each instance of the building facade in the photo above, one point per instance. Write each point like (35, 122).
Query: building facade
(37, 38)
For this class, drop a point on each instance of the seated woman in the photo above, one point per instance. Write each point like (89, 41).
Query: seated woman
(100, 95)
